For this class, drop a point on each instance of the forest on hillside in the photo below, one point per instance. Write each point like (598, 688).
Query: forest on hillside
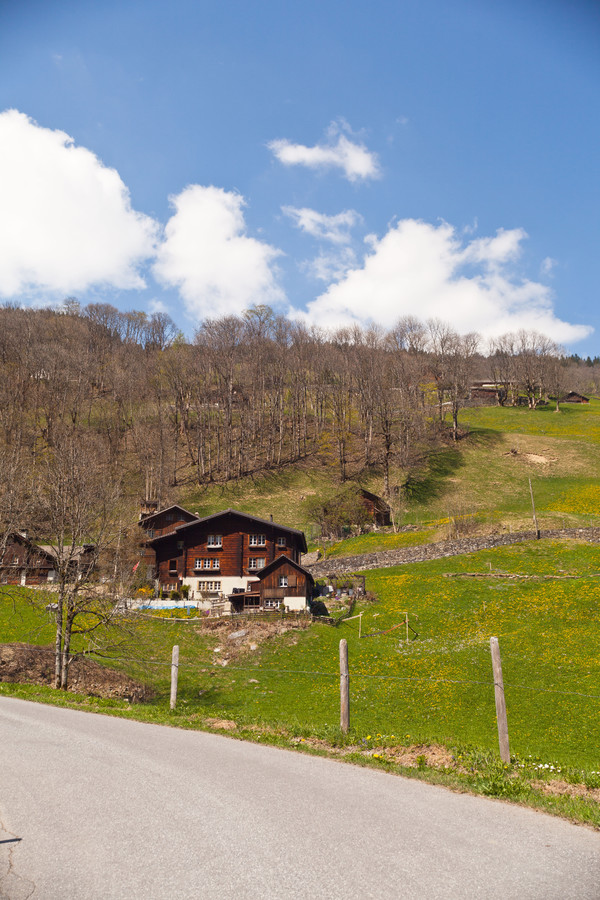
(122, 405)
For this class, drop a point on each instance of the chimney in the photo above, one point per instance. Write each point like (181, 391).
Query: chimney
(271, 517)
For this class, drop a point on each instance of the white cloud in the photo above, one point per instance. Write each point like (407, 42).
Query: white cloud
(427, 271)
(66, 222)
(326, 228)
(328, 267)
(338, 152)
(547, 266)
(207, 255)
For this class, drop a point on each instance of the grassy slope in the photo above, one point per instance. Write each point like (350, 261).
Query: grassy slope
(480, 477)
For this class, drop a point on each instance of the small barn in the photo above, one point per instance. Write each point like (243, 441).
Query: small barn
(574, 397)
(378, 510)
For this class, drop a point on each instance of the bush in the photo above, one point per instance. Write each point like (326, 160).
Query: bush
(175, 595)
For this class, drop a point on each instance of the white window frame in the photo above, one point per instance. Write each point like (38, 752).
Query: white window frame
(282, 581)
(281, 541)
(207, 562)
(257, 562)
(257, 540)
(214, 540)
(272, 604)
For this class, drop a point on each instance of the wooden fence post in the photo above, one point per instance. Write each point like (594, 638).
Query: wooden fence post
(174, 674)
(500, 701)
(344, 687)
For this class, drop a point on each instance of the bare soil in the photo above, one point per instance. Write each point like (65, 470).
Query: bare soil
(237, 639)
(28, 664)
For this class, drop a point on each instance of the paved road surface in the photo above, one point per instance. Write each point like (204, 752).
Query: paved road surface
(105, 808)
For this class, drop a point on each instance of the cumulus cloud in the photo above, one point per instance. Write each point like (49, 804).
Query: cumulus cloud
(208, 256)
(430, 272)
(66, 222)
(325, 228)
(337, 152)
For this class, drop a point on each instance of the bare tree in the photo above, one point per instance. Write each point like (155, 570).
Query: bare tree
(77, 507)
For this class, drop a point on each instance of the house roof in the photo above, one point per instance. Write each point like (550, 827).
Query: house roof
(279, 561)
(159, 512)
(233, 512)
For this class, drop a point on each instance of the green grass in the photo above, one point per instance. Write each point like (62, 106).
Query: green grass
(371, 543)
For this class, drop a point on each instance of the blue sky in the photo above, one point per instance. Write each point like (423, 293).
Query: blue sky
(344, 162)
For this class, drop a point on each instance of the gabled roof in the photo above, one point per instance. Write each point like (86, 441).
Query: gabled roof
(233, 512)
(167, 509)
(279, 561)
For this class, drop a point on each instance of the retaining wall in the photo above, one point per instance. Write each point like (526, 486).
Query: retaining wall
(386, 558)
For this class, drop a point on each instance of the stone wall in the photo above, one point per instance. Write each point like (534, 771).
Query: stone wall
(386, 558)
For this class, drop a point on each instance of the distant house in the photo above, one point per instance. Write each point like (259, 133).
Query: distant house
(26, 563)
(487, 393)
(574, 397)
(378, 510)
(216, 556)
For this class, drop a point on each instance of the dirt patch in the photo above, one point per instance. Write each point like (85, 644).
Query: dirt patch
(413, 757)
(539, 460)
(564, 788)
(223, 724)
(28, 664)
(238, 639)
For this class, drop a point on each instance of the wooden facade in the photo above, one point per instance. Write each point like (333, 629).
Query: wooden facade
(219, 553)
(26, 563)
(379, 511)
(154, 523)
(282, 584)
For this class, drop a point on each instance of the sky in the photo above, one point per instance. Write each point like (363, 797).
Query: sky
(343, 162)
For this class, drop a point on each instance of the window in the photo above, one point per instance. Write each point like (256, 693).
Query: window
(281, 542)
(172, 567)
(256, 562)
(214, 586)
(150, 533)
(207, 562)
(180, 545)
(283, 581)
(251, 602)
(214, 540)
(271, 604)
(257, 540)
(170, 517)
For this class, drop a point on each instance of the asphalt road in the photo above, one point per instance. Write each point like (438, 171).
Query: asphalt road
(97, 808)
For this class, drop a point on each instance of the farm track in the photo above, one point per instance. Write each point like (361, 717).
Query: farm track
(383, 559)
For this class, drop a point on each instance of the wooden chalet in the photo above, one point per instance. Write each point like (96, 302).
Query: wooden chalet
(26, 563)
(282, 584)
(219, 554)
(154, 523)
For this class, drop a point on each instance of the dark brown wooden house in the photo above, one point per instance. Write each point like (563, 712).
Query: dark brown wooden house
(26, 563)
(379, 511)
(218, 554)
(282, 584)
(154, 523)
